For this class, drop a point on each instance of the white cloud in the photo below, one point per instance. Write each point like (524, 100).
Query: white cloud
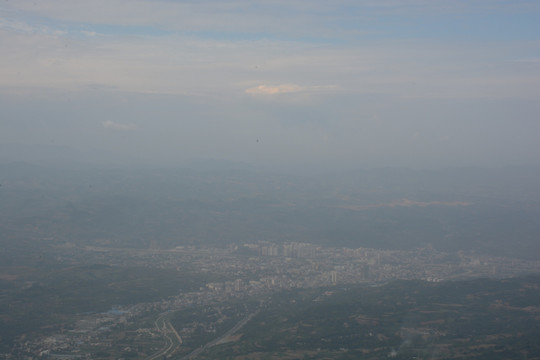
(287, 89)
(89, 33)
(169, 62)
(118, 126)
(298, 19)
(225, 69)
(274, 90)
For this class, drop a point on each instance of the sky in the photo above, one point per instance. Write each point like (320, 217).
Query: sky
(364, 83)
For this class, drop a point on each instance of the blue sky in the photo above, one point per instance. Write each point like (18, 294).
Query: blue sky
(355, 83)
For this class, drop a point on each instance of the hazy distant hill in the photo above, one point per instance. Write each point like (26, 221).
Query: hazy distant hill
(486, 210)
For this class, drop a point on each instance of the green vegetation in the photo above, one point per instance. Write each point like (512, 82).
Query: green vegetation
(48, 217)
(475, 319)
(201, 324)
(42, 299)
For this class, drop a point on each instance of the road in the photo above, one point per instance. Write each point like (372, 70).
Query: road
(216, 341)
(173, 339)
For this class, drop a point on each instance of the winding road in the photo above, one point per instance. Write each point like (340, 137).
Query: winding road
(173, 340)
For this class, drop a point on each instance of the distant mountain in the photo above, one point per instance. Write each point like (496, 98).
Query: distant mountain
(492, 211)
(41, 154)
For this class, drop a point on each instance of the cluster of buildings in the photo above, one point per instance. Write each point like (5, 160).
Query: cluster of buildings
(263, 268)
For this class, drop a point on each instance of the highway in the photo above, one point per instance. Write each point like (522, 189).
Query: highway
(216, 341)
(173, 339)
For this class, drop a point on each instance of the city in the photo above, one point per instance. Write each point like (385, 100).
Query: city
(250, 273)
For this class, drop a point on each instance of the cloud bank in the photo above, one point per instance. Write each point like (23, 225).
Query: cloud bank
(349, 81)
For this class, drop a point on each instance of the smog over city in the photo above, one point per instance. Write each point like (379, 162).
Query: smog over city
(269, 180)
